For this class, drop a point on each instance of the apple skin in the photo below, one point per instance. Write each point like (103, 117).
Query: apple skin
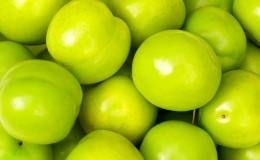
(87, 39)
(39, 101)
(146, 17)
(104, 144)
(222, 31)
(27, 21)
(232, 116)
(192, 5)
(115, 104)
(176, 70)
(178, 140)
(251, 59)
(11, 148)
(12, 53)
(247, 13)
(62, 148)
(250, 153)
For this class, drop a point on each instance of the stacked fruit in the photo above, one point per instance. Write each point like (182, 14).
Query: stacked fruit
(130, 79)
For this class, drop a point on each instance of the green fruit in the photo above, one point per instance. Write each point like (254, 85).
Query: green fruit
(86, 38)
(222, 31)
(26, 21)
(178, 140)
(115, 104)
(232, 116)
(104, 144)
(176, 70)
(39, 101)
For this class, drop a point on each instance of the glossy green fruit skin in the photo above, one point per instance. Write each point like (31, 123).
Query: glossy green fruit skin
(232, 116)
(14, 149)
(104, 144)
(250, 153)
(247, 13)
(115, 104)
(39, 101)
(62, 148)
(146, 17)
(192, 5)
(86, 38)
(251, 59)
(178, 140)
(12, 53)
(27, 21)
(176, 70)
(222, 31)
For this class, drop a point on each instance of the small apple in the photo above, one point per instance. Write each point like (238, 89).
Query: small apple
(176, 70)
(232, 116)
(250, 153)
(248, 14)
(62, 148)
(12, 53)
(104, 144)
(251, 59)
(39, 101)
(115, 104)
(222, 31)
(87, 39)
(146, 17)
(14, 149)
(178, 140)
(26, 21)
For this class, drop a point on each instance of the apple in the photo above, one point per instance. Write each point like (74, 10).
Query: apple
(115, 104)
(178, 140)
(232, 116)
(12, 53)
(176, 70)
(222, 31)
(250, 153)
(104, 144)
(192, 5)
(251, 59)
(62, 148)
(88, 40)
(39, 101)
(14, 149)
(248, 14)
(26, 21)
(146, 17)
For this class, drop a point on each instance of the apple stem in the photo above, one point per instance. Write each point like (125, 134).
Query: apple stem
(20, 143)
(193, 116)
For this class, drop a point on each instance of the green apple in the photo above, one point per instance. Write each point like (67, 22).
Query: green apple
(232, 116)
(178, 140)
(192, 5)
(115, 104)
(39, 101)
(26, 21)
(104, 144)
(87, 39)
(2, 37)
(14, 149)
(12, 53)
(248, 14)
(250, 153)
(176, 70)
(146, 17)
(222, 31)
(251, 59)
(62, 148)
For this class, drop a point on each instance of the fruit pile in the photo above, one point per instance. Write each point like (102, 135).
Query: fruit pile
(129, 79)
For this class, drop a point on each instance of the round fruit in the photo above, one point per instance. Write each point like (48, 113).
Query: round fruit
(176, 70)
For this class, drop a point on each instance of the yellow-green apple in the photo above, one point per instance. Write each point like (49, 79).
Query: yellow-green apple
(222, 31)
(87, 39)
(176, 70)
